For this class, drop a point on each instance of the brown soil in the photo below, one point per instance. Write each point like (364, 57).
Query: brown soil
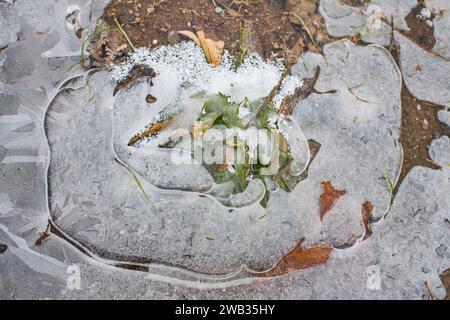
(420, 32)
(272, 26)
(420, 126)
(420, 122)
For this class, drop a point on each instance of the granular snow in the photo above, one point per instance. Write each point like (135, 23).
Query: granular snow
(254, 79)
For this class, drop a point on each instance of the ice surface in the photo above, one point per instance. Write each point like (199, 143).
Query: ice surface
(346, 21)
(441, 9)
(435, 72)
(98, 202)
(408, 245)
(444, 116)
(9, 24)
(358, 128)
(403, 249)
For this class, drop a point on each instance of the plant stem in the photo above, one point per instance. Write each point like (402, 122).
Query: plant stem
(124, 34)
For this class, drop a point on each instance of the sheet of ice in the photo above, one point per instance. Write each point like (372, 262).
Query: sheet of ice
(96, 200)
(405, 250)
(444, 116)
(9, 24)
(441, 9)
(343, 20)
(408, 246)
(434, 72)
(435, 69)
(358, 128)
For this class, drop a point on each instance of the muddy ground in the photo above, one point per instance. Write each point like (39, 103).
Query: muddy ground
(272, 28)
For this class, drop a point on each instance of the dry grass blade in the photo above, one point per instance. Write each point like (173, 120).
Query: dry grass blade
(306, 28)
(190, 35)
(124, 34)
(390, 187)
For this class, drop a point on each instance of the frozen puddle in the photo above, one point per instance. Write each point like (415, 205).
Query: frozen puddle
(186, 222)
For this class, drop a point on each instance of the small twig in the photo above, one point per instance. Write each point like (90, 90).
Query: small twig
(306, 28)
(44, 235)
(124, 34)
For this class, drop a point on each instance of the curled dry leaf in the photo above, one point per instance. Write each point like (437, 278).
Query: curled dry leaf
(298, 259)
(151, 99)
(445, 279)
(213, 49)
(135, 74)
(367, 209)
(152, 130)
(190, 35)
(290, 102)
(329, 198)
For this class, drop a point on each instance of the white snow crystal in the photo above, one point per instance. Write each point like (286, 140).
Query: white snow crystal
(288, 87)
(254, 79)
(425, 14)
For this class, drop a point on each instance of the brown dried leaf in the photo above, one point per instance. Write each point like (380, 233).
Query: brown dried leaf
(191, 36)
(367, 209)
(329, 198)
(445, 278)
(298, 259)
(150, 99)
(136, 73)
(213, 49)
